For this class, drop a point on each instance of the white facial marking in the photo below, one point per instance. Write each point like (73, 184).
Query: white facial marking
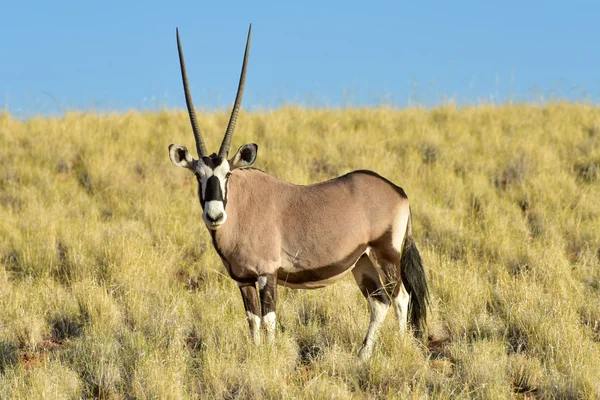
(269, 323)
(205, 173)
(214, 214)
(221, 172)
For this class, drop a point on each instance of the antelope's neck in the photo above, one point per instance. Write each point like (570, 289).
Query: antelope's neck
(249, 205)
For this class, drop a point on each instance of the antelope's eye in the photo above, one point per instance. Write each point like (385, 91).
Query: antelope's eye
(228, 175)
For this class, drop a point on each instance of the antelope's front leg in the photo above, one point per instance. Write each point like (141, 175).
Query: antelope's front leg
(250, 298)
(267, 286)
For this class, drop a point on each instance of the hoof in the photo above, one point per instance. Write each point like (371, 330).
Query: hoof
(364, 353)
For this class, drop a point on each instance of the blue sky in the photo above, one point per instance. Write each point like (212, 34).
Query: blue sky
(119, 55)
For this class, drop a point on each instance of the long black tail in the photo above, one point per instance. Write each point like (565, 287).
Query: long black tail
(413, 277)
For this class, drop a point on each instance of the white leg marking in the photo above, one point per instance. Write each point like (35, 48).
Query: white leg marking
(378, 313)
(262, 282)
(269, 323)
(401, 307)
(254, 322)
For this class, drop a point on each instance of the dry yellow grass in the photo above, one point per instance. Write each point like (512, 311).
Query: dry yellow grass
(109, 286)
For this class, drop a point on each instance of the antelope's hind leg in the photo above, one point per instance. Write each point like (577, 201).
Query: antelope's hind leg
(368, 281)
(253, 314)
(405, 280)
(386, 254)
(395, 288)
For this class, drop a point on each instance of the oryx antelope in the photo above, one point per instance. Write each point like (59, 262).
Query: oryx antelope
(269, 232)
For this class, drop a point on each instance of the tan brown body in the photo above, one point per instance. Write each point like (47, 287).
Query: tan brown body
(309, 236)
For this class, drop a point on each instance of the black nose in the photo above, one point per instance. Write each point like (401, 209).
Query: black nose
(217, 218)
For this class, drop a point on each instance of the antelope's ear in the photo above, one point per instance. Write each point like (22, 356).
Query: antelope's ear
(244, 157)
(180, 156)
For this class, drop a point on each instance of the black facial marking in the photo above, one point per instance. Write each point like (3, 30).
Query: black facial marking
(212, 161)
(213, 189)
(217, 161)
(202, 201)
(213, 186)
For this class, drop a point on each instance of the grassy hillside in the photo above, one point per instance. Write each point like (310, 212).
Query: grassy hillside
(110, 288)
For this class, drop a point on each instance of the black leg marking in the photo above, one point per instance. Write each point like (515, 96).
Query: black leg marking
(368, 281)
(391, 275)
(253, 314)
(388, 260)
(267, 285)
(250, 298)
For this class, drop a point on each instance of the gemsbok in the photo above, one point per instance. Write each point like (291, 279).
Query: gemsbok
(269, 232)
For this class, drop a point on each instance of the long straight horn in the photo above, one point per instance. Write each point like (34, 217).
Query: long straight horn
(224, 150)
(200, 147)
